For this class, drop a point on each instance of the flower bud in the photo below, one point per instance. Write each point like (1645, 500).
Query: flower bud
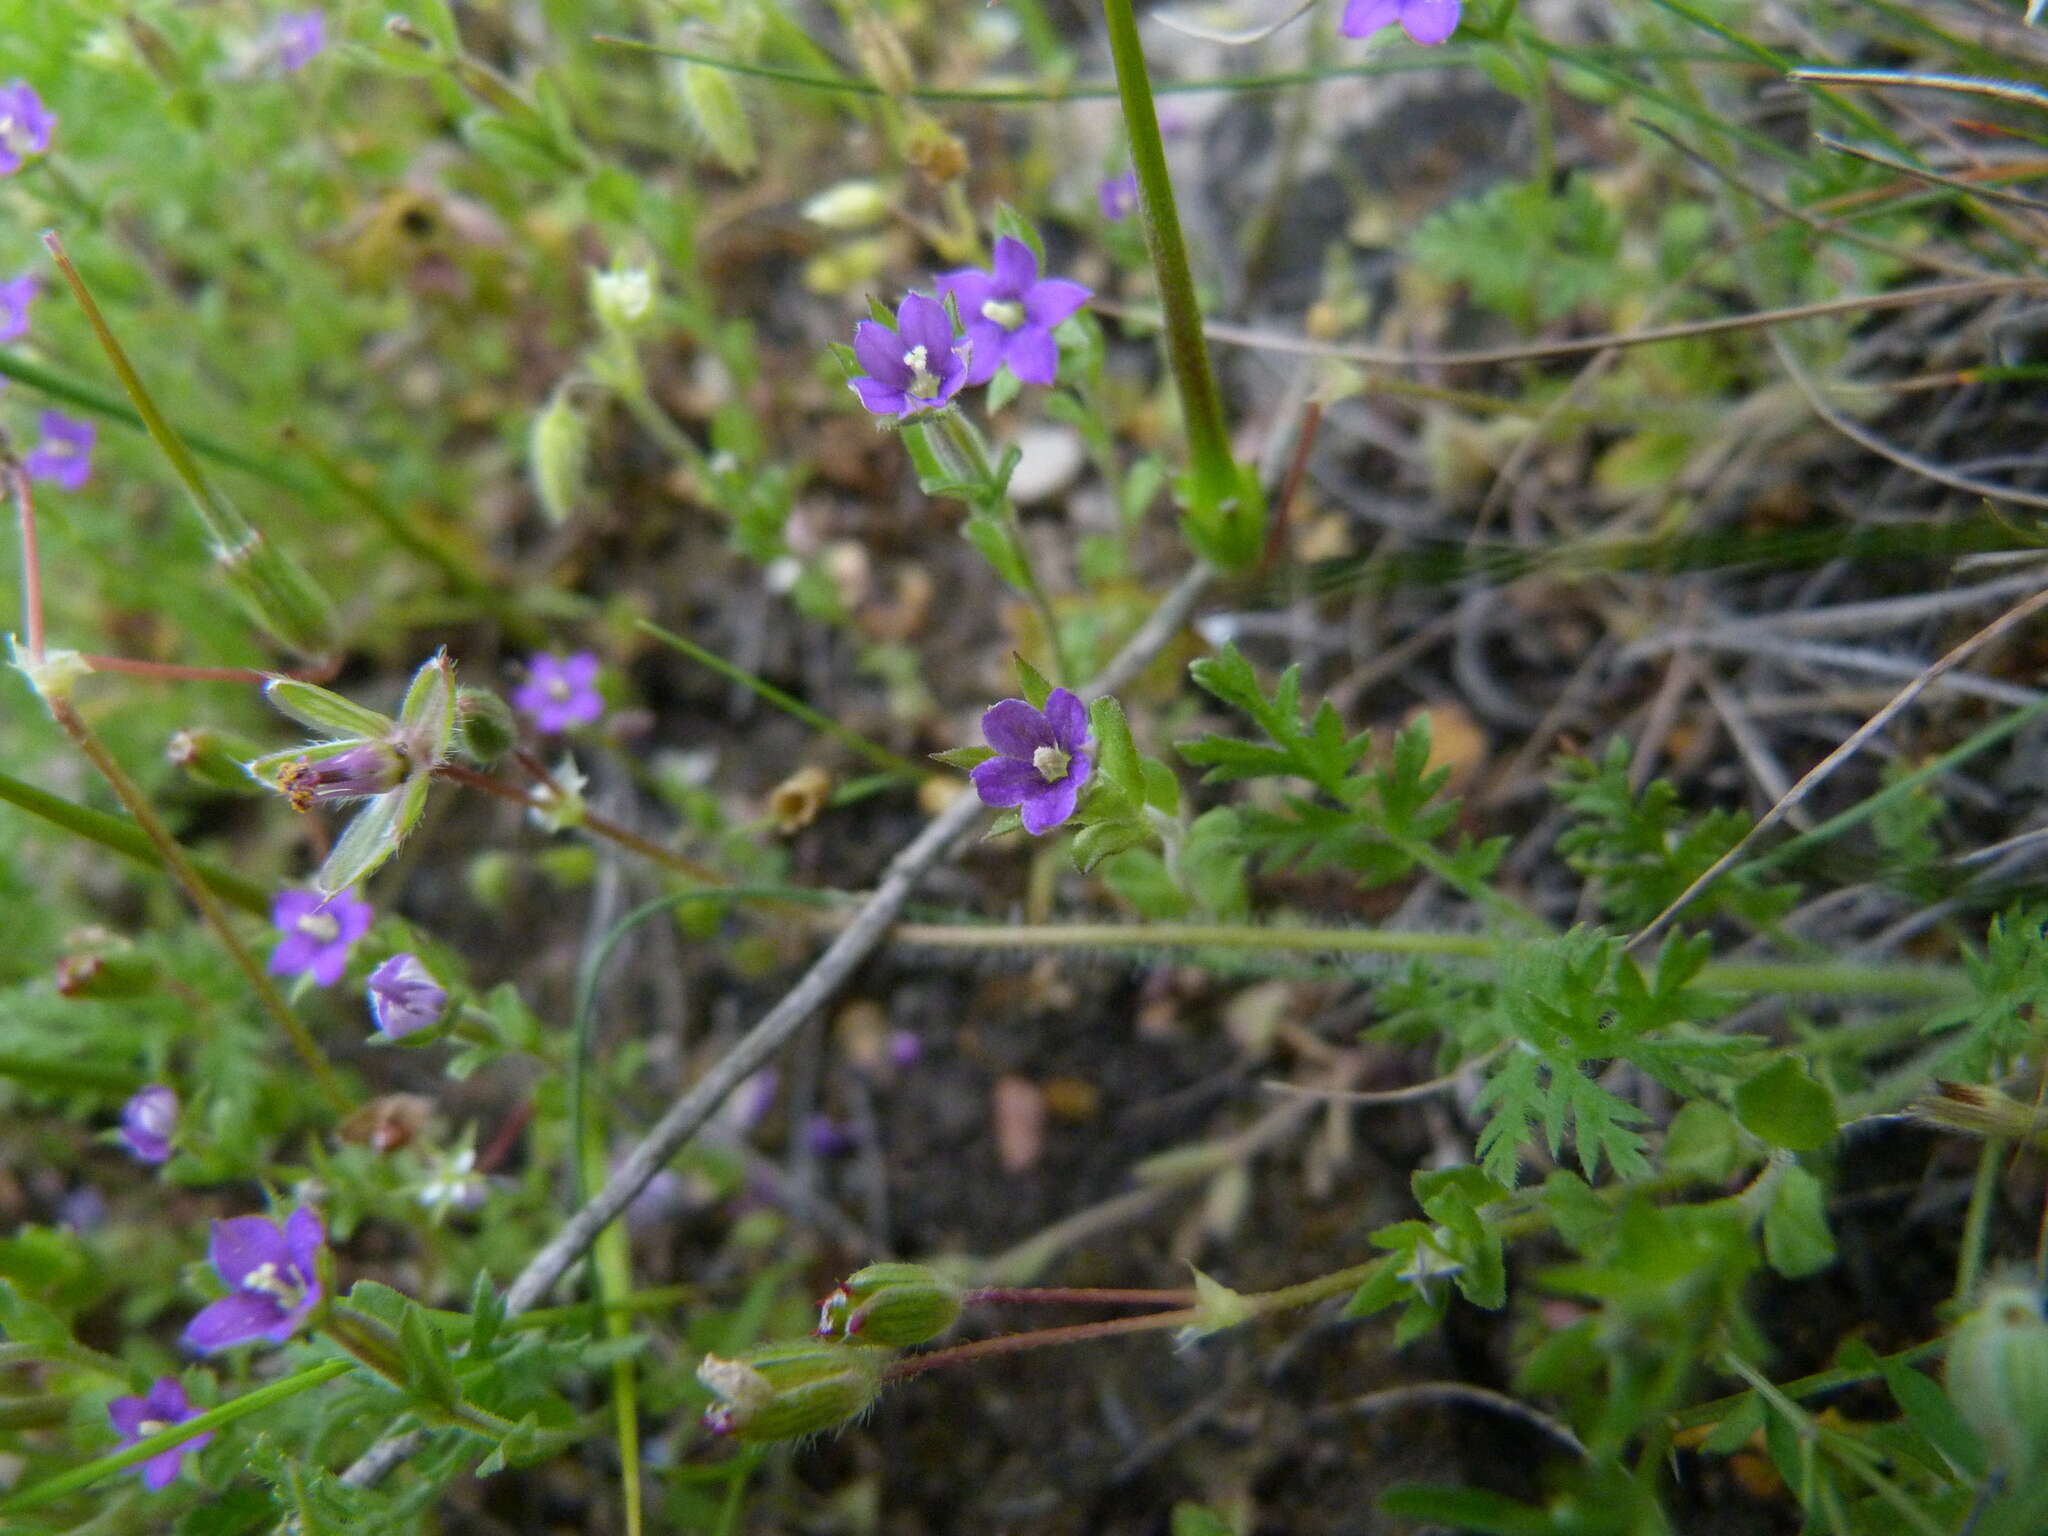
(484, 725)
(939, 154)
(848, 206)
(279, 595)
(797, 801)
(558, 453)
(559, 806)
(623, 298)
(789, 1390)
(891, 1304)
(215, 759)
(714, 108)
(1977, 1110)
(1998, 1379)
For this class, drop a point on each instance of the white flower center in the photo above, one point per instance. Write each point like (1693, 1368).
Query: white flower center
(1008, 313)
(59, 448)
(918, 361)
(150, 1427)
(559, 688)
(13, 133)
(265, 1279)
(1051, 764)
(320, 926)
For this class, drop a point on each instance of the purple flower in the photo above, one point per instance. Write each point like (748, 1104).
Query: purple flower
(65, 453)
(560, 691)
(16, 294)
(826, 1137)
(1118, 196)
(374, 768)
(148, 1121)
(404, 997)
(905, 1048)
(1009, 312)
(912, 368)
(299, 36)
(25, 125)
(271, 1272)
(1043, 759)
(318, 933)
(137, 1418)
(1426, 21)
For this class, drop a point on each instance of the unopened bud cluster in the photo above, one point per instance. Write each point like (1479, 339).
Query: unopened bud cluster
(790, 1389)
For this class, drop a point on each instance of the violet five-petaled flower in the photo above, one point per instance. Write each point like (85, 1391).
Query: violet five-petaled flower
(299, 37)
(1008, 313)
(912, 368)
(65, 453)
(271, 1270)
(405, 998)
(1425, 21)
(148, 1122)
(1118, 196)
(25, 125)
(1043, 758)
(137, 1418)
(560, 691)
(318, 933)
(16, 294)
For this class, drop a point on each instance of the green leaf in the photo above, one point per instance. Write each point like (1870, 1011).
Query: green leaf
(1195, 1520)
(1787, 1108)
(1212, 860)
(1162, 787)
(1096, 843)
(1796, 1237)
(1702, 1141)
(1467, 1509)
(1139, 876)
(1005, 823)
(328, 713)
(486, 1314)
(425, 1358)
(992, 537)
(1031, 682)
(1116, 754)
(964, 758)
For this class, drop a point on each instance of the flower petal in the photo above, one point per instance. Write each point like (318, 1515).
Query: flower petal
(970, 290)
(1068, 717)
(293, 955)
(1050, 302)
(232, 1320)
(1430, 21)
(161, 1471)
(1004, 781)
(1015, 729)
(580, 670)
(128, 1415)
(244, 1243)
(880, 351)
(987, 345)
(883, 399)
(167, 1400)
(1033, 356)
(922, 321)
(303, 1235)
(1016, 268)
(1043, 812)
(1362, 18)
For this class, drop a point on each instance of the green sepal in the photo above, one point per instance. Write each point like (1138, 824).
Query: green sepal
(1002, 389)
(1116, 755)
(425, 1358)
(1005, 823)
(328, 713)
(427, 718)
(1031, 682)
(373, 836)
(1008, 221)
(1096, 843)
(964, 758)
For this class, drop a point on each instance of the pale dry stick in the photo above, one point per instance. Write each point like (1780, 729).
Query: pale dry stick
(1455, 1392)
(1821, 771)
(869, 926)
(1764, 767)
(1388, 357)
(1851, 658)
(1859, 618)
(1408, 1095)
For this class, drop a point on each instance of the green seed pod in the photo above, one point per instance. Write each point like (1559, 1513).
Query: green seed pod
(280, 596)
(484, 727)
(105, 974)
(789, 1390)
(890, 1304)
(215, 759)
(1998, 1379)
(558, 453)
(713, 105)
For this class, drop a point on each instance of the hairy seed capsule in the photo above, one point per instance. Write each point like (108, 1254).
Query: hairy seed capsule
(890, 1304)
(789, 1390)
(1998, 1379)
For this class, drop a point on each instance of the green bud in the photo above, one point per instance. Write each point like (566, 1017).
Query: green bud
(279, 596)
(105, 974)
(558, 453)
(848, 206)
(1998, 1379)
(789, 1390)
(484, 727)
(215, 759)
(890, 1304)
(623, 298)
(713, 105)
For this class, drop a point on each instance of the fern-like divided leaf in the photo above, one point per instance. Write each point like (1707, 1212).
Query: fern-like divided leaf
(1574, 1004)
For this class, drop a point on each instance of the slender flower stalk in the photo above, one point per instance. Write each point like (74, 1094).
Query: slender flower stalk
(1214, 483)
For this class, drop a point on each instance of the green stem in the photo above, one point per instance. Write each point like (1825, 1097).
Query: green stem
(128, 840)
(201, 895)
(1977, 1220)
(960, 433)
(372, 1345)
(51, 1489)
(1213, 473)
(1822, 979)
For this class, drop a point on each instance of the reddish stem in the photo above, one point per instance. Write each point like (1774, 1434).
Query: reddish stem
(1038, 1338)
(1077, 1295)
(1290, 486)
(170, 671)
